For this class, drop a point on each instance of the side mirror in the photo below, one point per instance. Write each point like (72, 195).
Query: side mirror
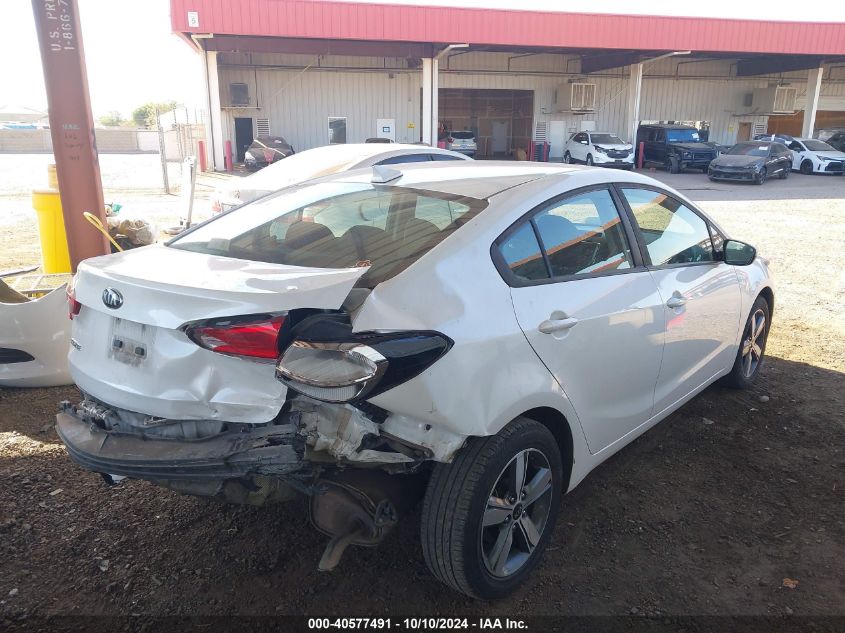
(739, 253)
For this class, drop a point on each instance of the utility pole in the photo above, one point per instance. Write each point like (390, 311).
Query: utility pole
(71, 125)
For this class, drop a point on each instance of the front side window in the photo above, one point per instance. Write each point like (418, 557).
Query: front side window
(673, 233)
(579, 235)
(336, 225)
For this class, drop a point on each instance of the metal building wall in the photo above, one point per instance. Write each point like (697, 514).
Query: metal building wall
(298, 93)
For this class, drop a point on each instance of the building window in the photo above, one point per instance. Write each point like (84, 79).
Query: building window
(337, 129)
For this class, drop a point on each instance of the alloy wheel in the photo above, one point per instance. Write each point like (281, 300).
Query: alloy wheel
(517, 513)
(752, 345)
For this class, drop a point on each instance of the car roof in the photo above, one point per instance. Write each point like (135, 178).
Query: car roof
(485, 179)
(670, 126)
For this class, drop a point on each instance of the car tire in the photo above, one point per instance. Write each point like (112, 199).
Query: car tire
(590, 160)
(705, 169)
(567, 158)
(807, 167)
(784, 174)
(457, 546)
(760, 178)
(674, 166)
(749, 358)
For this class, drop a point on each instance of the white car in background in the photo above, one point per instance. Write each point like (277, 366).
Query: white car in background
(321, 161)
(462, 141)
(598, 148)
(811, 156)
(485, 333)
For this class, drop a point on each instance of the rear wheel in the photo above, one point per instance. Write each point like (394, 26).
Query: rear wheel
(807, 167)
(590, 159)
(784, 174)
(488, 516)
(749, 357)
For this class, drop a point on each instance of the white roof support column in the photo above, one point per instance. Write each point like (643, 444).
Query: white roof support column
(427, 86)
(214, 121)
(435, 100)
(814, 84)
(635, 88)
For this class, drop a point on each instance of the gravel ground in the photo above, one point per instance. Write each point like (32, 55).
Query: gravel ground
(733, 505)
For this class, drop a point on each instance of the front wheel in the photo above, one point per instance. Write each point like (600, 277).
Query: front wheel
(749, 357)
(807, 167)
(567, 158)
(674, 165)
(760, 177)
(488, 516)
(590, 160)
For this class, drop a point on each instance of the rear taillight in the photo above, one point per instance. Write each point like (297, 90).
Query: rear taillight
(248, 337)
(73, 306)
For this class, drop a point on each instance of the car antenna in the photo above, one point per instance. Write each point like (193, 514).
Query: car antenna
(383, 173)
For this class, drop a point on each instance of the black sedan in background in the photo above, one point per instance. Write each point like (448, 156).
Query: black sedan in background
(753, 161)
(265, 150)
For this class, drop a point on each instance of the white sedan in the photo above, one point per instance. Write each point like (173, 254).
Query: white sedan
(322, 161)
(811, 156)
(598, 148)
(491, 332)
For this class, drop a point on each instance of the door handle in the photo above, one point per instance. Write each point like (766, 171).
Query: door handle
(677, 300)
(558, 321)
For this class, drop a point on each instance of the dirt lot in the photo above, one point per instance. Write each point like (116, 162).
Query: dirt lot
(715, 511)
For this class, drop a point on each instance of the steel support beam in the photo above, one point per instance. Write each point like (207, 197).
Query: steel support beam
(814, 84)
(605, 61)
(71, 125)
(635, 88)
(776, 64)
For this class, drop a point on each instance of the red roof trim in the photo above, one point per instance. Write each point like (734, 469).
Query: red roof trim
(327, 19)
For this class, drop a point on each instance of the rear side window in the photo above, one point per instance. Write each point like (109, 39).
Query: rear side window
(405, 158)
(580, 235)
(584, 234)
(673, 233)
(522, 254)
(336, 225)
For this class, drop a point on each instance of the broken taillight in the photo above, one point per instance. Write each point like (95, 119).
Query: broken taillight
(73, 306)
(247, 337)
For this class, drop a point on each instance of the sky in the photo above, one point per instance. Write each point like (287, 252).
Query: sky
(133, 58)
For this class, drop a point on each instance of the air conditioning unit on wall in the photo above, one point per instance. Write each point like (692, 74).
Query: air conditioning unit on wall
(576, 97)
(774, 99)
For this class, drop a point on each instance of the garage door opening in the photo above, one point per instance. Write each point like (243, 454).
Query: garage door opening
(500, 119)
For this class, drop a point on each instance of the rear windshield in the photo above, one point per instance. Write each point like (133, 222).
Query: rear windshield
(606, 139)
(818, 146)
(749, 149)
(463, 135)
(336, 225)
(682, 136)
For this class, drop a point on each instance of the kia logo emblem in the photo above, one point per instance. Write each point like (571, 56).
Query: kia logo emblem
(112, 298)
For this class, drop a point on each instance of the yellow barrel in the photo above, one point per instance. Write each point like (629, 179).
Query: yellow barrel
(51, 230)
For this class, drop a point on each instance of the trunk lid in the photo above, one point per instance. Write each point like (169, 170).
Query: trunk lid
(168, 287)
(136, 356)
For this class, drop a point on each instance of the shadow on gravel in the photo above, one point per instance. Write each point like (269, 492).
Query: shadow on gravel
(707, 513)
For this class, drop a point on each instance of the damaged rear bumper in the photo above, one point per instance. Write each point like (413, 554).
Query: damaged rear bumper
(266, 450)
